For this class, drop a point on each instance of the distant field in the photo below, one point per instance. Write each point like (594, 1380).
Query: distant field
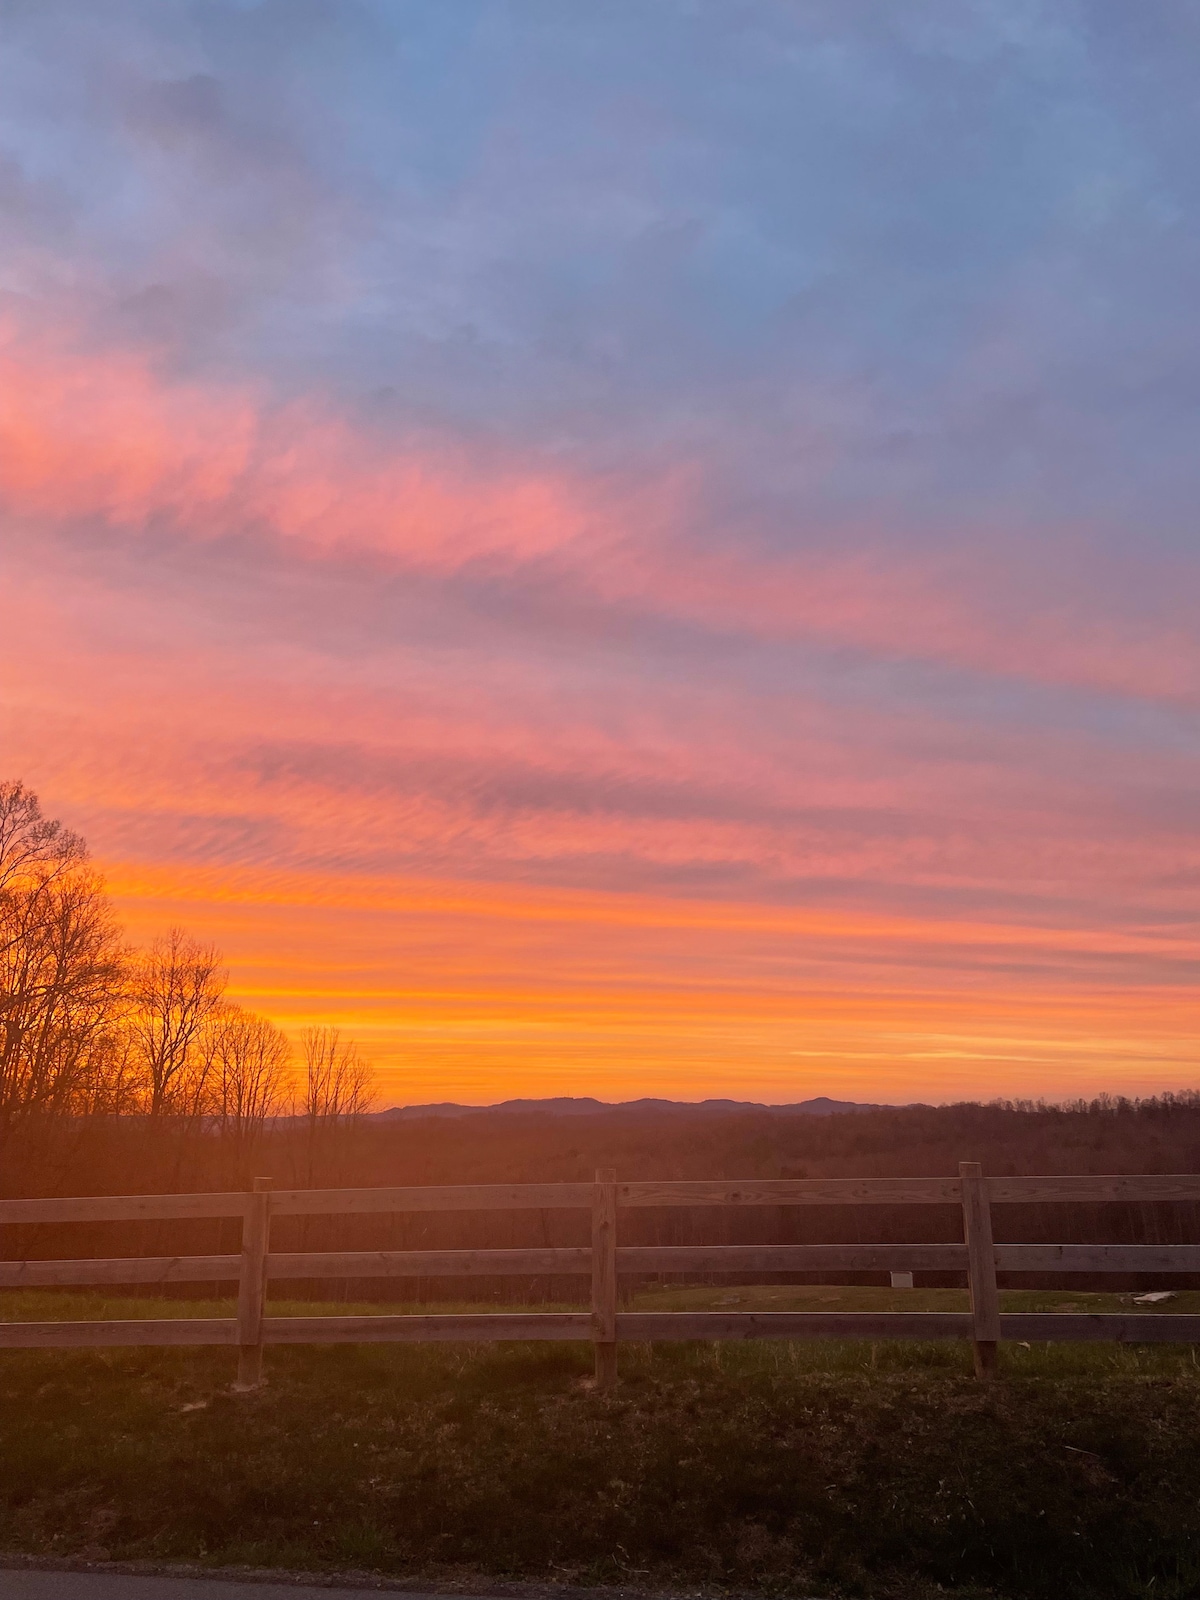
(19, 1305)
(824, 1467)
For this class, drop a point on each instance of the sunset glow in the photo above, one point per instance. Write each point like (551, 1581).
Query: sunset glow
(552, 590)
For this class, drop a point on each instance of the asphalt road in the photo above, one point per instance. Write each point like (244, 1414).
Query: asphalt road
(23, 1584)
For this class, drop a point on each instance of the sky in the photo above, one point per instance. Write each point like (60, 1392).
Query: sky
(626, 549)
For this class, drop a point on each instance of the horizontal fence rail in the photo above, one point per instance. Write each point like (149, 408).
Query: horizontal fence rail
(604, 1261)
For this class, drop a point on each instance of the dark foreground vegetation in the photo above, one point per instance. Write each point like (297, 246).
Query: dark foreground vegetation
(789, 1469)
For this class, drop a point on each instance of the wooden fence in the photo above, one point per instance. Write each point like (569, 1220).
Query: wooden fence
(605, 1326)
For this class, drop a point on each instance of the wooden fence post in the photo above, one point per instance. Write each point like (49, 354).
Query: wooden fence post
(981, 1266)
(604, 1276)
(252, 1284)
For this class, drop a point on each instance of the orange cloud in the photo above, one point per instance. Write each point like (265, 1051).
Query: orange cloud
(474, 993)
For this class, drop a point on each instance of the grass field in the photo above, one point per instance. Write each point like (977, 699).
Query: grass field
(823, 1467)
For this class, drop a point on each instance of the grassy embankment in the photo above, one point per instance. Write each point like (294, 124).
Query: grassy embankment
(809, 1468)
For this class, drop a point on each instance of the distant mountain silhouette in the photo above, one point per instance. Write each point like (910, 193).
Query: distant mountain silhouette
(567, 1106)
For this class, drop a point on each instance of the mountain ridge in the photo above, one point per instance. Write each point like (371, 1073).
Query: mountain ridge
(577, 1106)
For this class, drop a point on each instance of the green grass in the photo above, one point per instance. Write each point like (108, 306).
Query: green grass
(816, 1467)
(32, 1305)
(822, 1297)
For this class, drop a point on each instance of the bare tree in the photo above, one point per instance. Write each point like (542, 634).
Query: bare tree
(62, 965)
(112, 1085)
(87, 1028)
(338, 1082)
(61, 974)
(31, 845)
(337, 1088)
(177, 986)
(249, 1064)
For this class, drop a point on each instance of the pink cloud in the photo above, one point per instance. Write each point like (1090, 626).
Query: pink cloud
(99, 436)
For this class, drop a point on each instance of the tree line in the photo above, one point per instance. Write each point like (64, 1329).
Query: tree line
(91, 1027)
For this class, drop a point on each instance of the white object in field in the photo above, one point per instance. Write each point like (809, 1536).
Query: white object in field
(902, 1280)
(1154, 1299)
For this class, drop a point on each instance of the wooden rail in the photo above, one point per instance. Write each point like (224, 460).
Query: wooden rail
(971, 1193)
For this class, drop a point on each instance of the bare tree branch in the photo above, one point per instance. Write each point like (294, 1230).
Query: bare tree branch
(177, 985)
